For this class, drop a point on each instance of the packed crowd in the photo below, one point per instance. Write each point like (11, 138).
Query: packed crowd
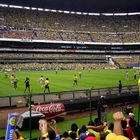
(121, 129)
(67, 61)
(51, 56)
(53, 61)
(128, 61)
(32, 24)
(56, 66)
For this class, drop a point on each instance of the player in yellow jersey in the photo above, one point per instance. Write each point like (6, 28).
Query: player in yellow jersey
(139, 84)
(75, 80)
(12, 79)
(47, 85)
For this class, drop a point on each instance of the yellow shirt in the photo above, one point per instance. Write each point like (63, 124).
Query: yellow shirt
(75, 77)
(46, 82)
(134, 139)
(113, 136)
(139, 82)
(96, 134)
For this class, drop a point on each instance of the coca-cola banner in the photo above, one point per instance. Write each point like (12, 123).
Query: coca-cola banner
(50, 110)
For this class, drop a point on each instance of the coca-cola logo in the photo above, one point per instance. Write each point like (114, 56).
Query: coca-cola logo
(50, 109)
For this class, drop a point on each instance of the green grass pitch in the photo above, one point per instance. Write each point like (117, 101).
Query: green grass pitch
(63, 80)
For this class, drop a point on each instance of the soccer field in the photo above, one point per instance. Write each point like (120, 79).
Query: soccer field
(63, 80)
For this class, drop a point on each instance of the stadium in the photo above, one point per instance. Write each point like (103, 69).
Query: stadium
(59, 59)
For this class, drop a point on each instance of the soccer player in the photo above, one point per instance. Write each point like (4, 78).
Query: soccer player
(42, 81)
(14, 73)
(27, 84)
(127, 75)
(15, 82)
(89, 69)
(12, 79)
(56, 71)
(5, 74)
(75, 80)
(135, 75)
(139, 84)
(80, 74)
(47, 85)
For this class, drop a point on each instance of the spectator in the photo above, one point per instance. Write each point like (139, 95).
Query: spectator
(17, 135)
(66, 136)
(136, 132)
(131, 117)
(117, 131)
(53, 134)
(127, 131)
(73, 135)
(74, 130)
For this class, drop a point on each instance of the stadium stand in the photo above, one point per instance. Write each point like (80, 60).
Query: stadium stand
(21, 23)
(127, 61)
(29, 25)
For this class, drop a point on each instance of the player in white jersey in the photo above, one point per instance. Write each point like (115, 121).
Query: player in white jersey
(42, 81)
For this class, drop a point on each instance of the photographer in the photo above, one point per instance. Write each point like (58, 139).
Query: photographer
(101, 110)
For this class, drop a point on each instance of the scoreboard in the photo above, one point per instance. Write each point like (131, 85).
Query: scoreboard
(56, 47)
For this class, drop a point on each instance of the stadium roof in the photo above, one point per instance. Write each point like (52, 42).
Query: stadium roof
(107, 6)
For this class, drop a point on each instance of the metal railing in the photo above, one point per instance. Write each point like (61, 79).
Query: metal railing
(22, 100)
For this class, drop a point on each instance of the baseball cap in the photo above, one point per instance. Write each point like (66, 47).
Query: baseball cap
(102, 97)
(131, 115)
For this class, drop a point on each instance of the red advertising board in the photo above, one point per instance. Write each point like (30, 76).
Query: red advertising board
(50, 110)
